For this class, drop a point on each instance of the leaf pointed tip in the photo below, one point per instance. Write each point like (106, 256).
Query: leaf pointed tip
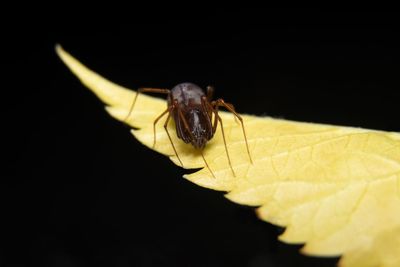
(58, 47)
(61, 53)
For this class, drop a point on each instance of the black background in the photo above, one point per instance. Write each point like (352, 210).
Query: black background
(78, 190)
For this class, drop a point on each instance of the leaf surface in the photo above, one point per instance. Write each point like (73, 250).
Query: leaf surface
(335, 189)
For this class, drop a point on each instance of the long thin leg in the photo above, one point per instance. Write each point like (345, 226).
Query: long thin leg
(221, 102)
(208, 167)
(223, 137)
(169, 136)
(210, 110)
(217, 118)
(232, 107)
(143, 90)
(155, 122)
(210, 93)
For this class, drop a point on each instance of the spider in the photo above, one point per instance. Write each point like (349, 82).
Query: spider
(192, 110)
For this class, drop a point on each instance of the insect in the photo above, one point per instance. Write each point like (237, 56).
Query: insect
(196, 116)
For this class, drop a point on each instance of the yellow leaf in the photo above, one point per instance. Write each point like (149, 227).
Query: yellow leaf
(335, 189)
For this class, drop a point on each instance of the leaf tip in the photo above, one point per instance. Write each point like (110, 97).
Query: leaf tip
(61, 53)
(58, 48)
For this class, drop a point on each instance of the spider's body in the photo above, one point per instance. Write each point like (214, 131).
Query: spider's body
(194, 107)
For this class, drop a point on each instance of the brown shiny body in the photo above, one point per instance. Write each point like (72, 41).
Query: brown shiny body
(191, 103)
(195, 115)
